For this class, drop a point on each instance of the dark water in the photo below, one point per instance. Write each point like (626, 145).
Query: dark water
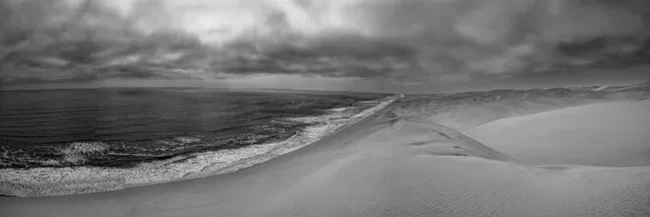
(128, 126)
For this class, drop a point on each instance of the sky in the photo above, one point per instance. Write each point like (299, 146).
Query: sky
(357, 45)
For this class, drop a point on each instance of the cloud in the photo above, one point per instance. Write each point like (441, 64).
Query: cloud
(400, 40)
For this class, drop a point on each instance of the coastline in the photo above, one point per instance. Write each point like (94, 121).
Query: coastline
(383, 165)
(81, 180)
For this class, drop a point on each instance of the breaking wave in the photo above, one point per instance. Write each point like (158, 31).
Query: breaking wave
(42, 181)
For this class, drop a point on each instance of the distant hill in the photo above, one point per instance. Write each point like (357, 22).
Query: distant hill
(466, 110)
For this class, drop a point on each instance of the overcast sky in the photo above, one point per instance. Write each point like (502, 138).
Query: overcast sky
(362, 45)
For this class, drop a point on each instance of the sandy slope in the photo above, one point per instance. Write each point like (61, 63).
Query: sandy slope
(464, 111)
(603, 134)
(380, 166)
(467, 110)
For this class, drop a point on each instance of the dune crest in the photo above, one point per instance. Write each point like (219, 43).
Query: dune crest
(381, 166)
(449, 174)
(601, 134)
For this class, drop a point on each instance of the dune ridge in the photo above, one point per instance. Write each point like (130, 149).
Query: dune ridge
(383, 165)
(599, 134)
(467, 110)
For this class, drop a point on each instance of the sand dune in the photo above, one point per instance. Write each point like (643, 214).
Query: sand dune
(467, 110)
(603, 134)
(381, 166)
(464, 111)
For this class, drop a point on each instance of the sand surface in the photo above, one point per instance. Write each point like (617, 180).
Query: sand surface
(601, 134)
(381, 166)
(467, 110)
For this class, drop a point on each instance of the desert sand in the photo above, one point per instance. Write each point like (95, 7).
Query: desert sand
(602, 134)
(383, 165)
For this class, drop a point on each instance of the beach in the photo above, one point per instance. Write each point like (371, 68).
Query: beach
(383, 165)
(324, 108)
(79, 179)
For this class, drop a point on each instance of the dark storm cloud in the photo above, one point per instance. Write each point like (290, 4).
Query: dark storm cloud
(401, 40)
(503, 36)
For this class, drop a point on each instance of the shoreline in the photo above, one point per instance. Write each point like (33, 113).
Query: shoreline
(383, 165)
(34, 182)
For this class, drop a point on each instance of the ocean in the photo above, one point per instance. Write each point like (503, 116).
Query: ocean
(126, 127)
(143, 136)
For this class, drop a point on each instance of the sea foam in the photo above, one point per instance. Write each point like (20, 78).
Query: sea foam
(85, 179)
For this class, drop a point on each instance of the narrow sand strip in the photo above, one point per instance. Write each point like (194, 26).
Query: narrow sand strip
(381, 166)
(602, 134)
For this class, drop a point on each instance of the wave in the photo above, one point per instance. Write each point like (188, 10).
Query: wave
(86, 179)
(96, 153)
(77, 152)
